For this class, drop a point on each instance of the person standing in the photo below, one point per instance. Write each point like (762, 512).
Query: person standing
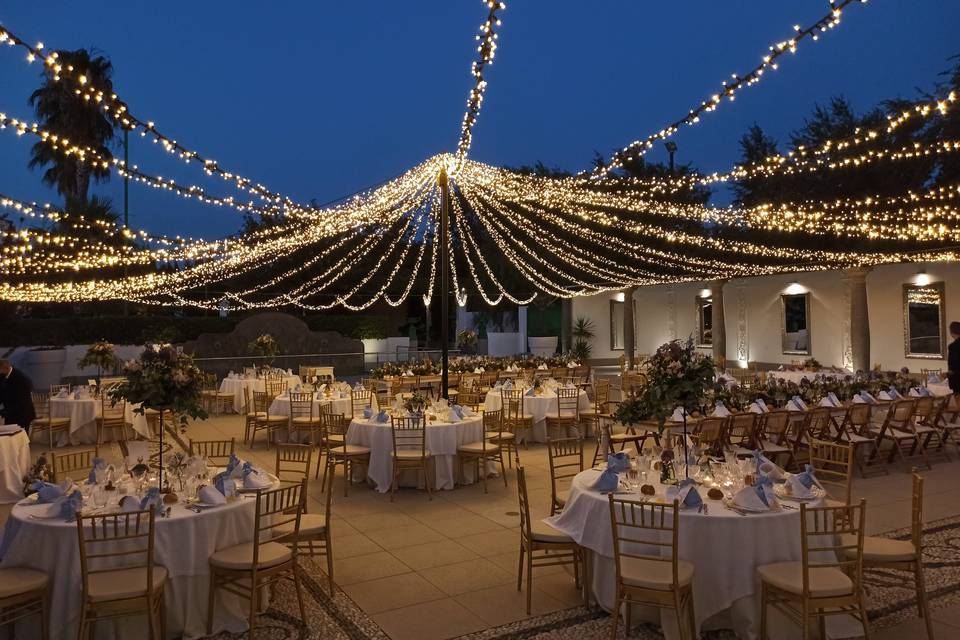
(953, 358)
(15, 388)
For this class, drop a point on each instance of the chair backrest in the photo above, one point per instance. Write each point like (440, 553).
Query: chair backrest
(469, 381)
(41, 404)
(277, 508)
(360, 399)
(216, 451)
(833, 464)
(741, 429)
(262, 401)
(57, 388)
(601, 395)
(293, 462)
(334, 424)
(408, 434)
(122, 540)
(301, 405)
(858, 417)
(568, 402)
(112, 411)
(923, 408)
(512, 403)
(524, 504)
(710, 434)
(469, 399)
(275, 387)
(900, 413)
(492, 423)
(64, 464)
(775, 424)
(645, 531)
(820, 423)
(832, 537)
(566, 461)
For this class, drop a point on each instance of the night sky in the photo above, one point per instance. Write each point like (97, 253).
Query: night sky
(321, 99)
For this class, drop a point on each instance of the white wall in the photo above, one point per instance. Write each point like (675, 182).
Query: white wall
(667, 311)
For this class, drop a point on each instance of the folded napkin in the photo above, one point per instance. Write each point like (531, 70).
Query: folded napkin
(408, 372)
(508, 385)
(755, 408)
(226, 485)
(457, 412)
(234, 467)
(572, 365)
(47, 492)
(720, 410)
(153, 500)
(858, 399)
(382, 417)
(800, 403)
(793, 406)
(677, 415)
(129, 503)
(868, 398)
(896, 395)
(827, 402)
(609, 480)
(807, 477)
(70, 505)
(477, 370)
(797, 488)
(531, 391)
(99, 464)
(367, 413)
(763, 405)
(542, 367)
(254, 478)
(63, 393)
(9, 428)
(914, 392)
(883, 395)
(751, 498)
(772, 471)
(834, 399)
(209, 494)
(934, 378)
(688, 494)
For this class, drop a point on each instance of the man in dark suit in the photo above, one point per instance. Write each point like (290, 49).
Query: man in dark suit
(953, 358)
(15, 388)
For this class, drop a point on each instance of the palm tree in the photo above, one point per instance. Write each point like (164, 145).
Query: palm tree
(61, 111)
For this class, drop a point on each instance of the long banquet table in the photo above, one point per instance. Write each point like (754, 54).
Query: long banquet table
(184, 543)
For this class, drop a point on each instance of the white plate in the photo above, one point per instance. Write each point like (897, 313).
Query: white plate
(733, 505)
(782, 491)
(208, 505)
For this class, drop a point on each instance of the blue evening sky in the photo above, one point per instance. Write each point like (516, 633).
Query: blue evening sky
(321, 99)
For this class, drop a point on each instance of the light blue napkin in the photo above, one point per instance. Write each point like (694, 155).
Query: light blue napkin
(457, 410)
(924, 392)
(763, 485)
(232, 464)
(367, 413)
(609, 480)
(807, 477)
(152, 500)
(691, 497)
(70, 505)
(382, 417)
(531, 391)
(219, 480)
(47, 493)
(896, 395)
(98, 464)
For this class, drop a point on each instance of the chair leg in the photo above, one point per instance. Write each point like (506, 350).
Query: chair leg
(44, 619)
(922, 598)
(296, 584)
(503, 471)
(163, 616)
(152, 621)
(616, 617)
(529, 581)
(329, 551)
(254, 598)
(763, 611)
(520, 570)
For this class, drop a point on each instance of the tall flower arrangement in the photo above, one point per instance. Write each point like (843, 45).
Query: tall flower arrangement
(163, 379)
(101, 355)
(677, 376)
(265, 345)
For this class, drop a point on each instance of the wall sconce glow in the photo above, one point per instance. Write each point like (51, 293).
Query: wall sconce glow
(922, 278)
(794, 288)
(619, 297)
(705, 293)
(462, 297)
(742, 364)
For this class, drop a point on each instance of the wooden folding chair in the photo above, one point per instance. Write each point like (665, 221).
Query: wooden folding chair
(855, 430)
(773, 441)
(898, 429)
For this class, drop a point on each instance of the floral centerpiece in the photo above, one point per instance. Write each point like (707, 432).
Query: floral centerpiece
(467, 340)
(812, 364)
(264, 346)
(101, 355)
(416, 403)
(39, 472)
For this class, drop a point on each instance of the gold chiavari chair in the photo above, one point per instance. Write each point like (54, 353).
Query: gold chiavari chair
(293, 462)
(73, 464)
(855, 430)
(23, 593)
(313, 538)
(119, 575)
(566, 461)
(44, 422)
(303, 417)
(275, 386)
(657, 578)
(599, 408)
(897, 428)
(338, 452)
(518, 421)
(216, 451)
(247, 568)
(773, 437)
(543, 546)
(486, 449)
(470, 399)
(828, 580)
(568, 412)
(488, 379)
(57, 388)
(632, 382)
(112, 417)
(833, 464)
(222, 401)
(503, 436)
(250, 416)
(410, 450)
(926, 373)
(903, 555)
(360, 399)
(264, 421)
(453, 386)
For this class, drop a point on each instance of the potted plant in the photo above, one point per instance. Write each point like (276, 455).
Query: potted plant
(101, 355)
(583, 332)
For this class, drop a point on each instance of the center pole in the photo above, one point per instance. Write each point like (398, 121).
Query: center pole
(444, 284)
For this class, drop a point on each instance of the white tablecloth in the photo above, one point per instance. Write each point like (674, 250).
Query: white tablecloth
(443, 438)
(237, 385)
(724, 547)
(538, 407)
(184, 543)
(796, 376)
(83, 414)
(14, 465)
(281, 407)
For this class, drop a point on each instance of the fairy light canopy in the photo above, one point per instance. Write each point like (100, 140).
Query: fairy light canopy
(513, 236)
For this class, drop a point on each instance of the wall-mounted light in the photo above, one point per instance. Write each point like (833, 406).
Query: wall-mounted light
(462, 297)
(705, 293)
(922, 278)
(619, 297)
(794, 288)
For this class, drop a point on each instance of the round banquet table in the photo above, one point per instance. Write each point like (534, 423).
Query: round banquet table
(797, 376)
(281, 407)
(724, 547)
(236, 386)
(443, 438)
(184, 543)
(83, 413)
(537, 406)
(14, 464)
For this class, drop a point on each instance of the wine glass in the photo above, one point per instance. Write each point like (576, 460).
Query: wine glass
(633, 476)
